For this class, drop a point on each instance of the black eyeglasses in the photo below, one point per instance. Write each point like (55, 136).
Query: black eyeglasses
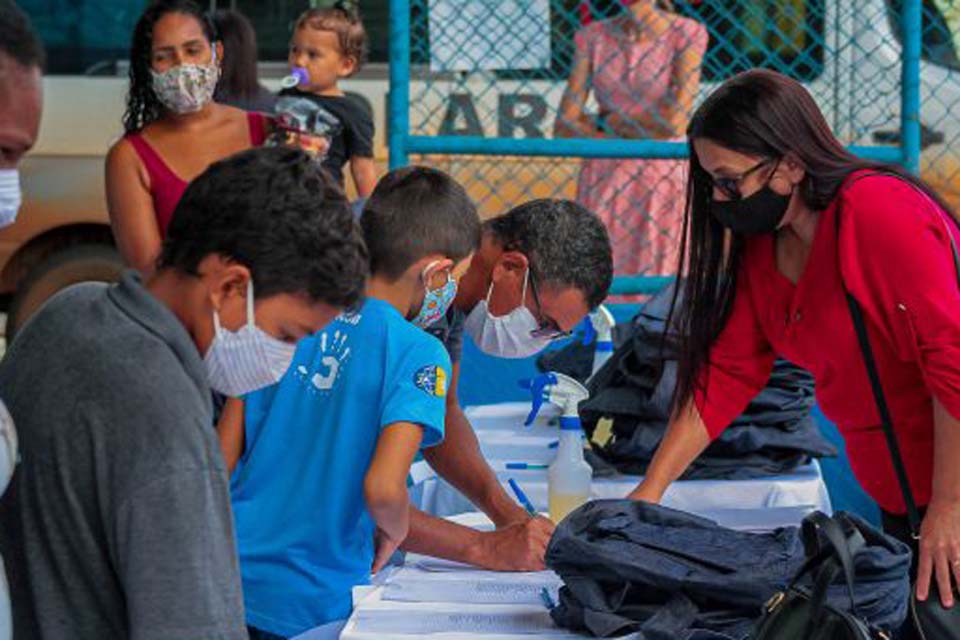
(548, 330)
(730, 187)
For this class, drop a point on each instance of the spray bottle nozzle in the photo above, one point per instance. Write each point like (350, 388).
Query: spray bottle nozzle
(558, 389)
(602, 322)
(538, 393)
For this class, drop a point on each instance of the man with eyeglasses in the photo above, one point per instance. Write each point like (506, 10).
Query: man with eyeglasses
(539, 270)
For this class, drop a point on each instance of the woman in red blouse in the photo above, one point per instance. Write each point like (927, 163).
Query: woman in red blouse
(766, 269)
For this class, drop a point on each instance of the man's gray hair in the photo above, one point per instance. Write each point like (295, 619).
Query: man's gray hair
(566, 244)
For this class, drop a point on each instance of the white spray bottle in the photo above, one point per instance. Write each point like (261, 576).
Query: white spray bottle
(603, 323)
(569, 475)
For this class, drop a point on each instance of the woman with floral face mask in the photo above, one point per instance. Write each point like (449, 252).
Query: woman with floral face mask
(174, 130)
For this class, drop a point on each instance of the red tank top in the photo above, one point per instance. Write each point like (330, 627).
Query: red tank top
(166, 187)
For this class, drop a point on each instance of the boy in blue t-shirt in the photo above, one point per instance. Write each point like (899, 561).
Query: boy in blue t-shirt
(319, 490)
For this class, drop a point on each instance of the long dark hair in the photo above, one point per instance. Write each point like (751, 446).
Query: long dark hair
(238, 75)
(143, 106)
(758, 113)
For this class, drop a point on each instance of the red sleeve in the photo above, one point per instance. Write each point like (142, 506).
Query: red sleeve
(897, 262)
(741, 361)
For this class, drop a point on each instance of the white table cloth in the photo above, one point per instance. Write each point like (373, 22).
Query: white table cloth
(504, 439)
(380, 615)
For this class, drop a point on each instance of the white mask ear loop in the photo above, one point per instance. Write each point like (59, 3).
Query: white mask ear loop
(489, 292)
(217, 329)
(523, 294)
(214, 62)
(423, 274)
(251, 318)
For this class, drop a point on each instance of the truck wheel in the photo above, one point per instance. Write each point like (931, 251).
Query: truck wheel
(80, 263)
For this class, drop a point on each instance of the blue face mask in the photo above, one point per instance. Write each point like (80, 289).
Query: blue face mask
(435, 302)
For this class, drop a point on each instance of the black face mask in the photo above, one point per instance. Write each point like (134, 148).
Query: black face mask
(757, 214)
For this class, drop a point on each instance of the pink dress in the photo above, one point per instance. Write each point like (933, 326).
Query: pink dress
(640, 201)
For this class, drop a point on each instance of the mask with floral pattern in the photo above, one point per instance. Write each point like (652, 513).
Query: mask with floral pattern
(187, 88)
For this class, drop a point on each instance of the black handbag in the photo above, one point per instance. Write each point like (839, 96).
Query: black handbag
(802, 613)
(931, 619)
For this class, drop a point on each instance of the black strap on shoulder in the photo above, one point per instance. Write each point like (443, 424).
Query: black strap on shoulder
(881, 400)
(856, 313)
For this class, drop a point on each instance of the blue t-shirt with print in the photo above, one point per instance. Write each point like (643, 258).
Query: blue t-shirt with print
(304, 535)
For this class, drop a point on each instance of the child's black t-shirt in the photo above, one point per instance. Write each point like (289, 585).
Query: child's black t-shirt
(355, 138)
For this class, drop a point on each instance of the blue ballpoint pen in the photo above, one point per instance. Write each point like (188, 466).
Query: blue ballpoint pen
(522, 497)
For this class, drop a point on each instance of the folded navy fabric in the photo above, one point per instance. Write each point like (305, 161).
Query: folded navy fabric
(773, 436)
(635, 567)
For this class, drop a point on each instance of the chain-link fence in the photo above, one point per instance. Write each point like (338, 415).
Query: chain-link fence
(589, 99)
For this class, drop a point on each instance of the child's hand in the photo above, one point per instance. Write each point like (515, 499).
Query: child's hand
(384, 548)
(316, 146)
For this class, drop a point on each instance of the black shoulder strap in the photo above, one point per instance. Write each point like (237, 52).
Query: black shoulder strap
(913, 515)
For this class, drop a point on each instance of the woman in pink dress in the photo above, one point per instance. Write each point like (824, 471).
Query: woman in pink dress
(643, 69)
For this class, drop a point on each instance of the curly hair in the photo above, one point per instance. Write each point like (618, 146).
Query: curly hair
(343, 21)
(566, 244)
(143, 105)
(274, 210)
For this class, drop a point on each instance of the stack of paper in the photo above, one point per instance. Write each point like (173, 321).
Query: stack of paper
(420, 619)
(411, 584)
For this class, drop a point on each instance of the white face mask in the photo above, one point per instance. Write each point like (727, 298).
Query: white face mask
(239, 362)
(8, 448)
(507, 336)
(10, 196)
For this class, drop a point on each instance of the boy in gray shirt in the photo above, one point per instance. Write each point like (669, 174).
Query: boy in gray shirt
(118, 522)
